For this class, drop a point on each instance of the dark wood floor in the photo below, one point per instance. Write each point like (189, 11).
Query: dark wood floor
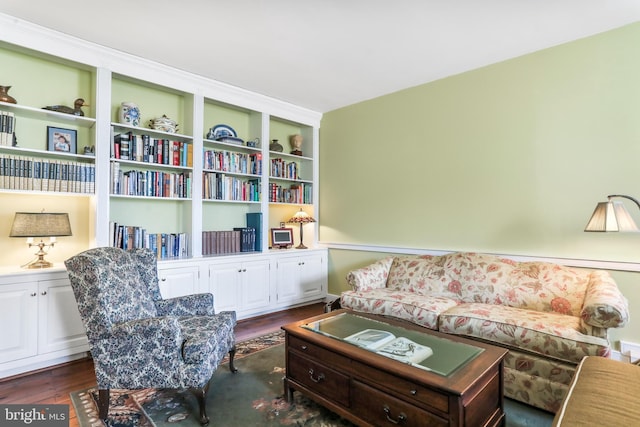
(53, 385)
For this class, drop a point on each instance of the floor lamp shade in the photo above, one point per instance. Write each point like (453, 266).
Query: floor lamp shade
(612, 215)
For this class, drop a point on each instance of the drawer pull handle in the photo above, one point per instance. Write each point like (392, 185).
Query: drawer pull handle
(316, 379)
(401, 418)
(304, 347)
(413, 392)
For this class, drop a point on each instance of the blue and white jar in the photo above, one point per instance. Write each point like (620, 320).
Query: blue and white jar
(129, 114)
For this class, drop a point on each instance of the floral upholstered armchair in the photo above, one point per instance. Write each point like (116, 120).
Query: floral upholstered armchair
(139, 340)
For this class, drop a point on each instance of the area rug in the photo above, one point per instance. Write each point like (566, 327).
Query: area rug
(251, 397)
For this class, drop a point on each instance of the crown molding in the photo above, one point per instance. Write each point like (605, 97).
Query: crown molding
(43, 40)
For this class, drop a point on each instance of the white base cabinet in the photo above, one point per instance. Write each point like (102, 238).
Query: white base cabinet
(301, 277)
(243, 287)
(40, 321)
(41, 325)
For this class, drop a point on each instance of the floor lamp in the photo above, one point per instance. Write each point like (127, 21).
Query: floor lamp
(302, 218)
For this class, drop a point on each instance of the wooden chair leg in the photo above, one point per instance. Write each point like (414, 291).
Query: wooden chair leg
(232, 354)
(103, 403)
(201, 396)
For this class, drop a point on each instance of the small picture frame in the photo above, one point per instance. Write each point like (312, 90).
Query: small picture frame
(61, 140)
(281, 238)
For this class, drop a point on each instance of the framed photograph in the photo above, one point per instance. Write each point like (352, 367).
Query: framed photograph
(281, 238)
(61, 140)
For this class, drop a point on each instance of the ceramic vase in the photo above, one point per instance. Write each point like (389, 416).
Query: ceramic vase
(4, 95)
(129, 114)
(275, 146)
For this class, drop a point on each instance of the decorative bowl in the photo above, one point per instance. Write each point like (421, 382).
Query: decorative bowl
(164, 124)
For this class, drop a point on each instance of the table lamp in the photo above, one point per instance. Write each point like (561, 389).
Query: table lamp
(30, 225)
(302, 218)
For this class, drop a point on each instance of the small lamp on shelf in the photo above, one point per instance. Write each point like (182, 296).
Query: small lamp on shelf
(302, 218)
(40, 225)
(612, 216)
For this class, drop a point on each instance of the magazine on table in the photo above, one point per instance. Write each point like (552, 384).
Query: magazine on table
(387, 344)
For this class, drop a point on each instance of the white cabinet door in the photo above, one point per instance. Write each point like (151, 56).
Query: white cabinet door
(255, 292)
(312, 276)
(224, 284)
(60, 325)
(288, 279)
(240, 286)
(301, 278)
(178, 281)
(19, 320)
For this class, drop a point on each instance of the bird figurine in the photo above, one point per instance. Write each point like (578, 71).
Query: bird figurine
(76, 110)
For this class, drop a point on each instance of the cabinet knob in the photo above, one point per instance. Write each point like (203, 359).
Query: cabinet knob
(43, 293)
(413, 392)
(244, 270)
(240, 270)
(164, 279)
(303, 347)
(33, 294)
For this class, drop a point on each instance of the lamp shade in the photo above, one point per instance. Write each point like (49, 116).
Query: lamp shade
(301, 217)
(30, 224)
(611, 216)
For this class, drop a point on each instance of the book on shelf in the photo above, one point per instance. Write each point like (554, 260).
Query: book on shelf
(254, 220)
(387, 344)
(7, 127)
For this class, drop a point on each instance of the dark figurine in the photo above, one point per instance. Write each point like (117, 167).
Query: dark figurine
(76, 110)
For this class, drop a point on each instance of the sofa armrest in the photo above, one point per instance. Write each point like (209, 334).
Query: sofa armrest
(373, 276)
(604, 305)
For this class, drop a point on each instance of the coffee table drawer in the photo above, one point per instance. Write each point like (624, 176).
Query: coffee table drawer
(408, 390)
(381, 409)
(327, 357)
(319, 378)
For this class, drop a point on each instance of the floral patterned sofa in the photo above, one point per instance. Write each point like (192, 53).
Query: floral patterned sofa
(547, 315)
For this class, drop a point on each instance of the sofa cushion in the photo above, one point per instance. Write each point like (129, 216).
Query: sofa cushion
(554, 335)
(420, 309)
(474, 277)
(603, 392)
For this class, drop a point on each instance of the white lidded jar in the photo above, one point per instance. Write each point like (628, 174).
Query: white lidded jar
(129, 114)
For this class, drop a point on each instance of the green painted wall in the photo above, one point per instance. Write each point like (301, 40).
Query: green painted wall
(510, 158)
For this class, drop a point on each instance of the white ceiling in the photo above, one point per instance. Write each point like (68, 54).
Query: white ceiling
(326, 54)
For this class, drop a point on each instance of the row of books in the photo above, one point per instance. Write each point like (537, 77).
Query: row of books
(218, 186)
(282, 169)
(144, 148)
(296, 193)
(150, 183)
(230, 161)
(229, 241)
(31, 173)
(164, 245)
(7, 127)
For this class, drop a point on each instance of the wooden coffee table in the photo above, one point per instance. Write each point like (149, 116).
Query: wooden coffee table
(459, 384)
